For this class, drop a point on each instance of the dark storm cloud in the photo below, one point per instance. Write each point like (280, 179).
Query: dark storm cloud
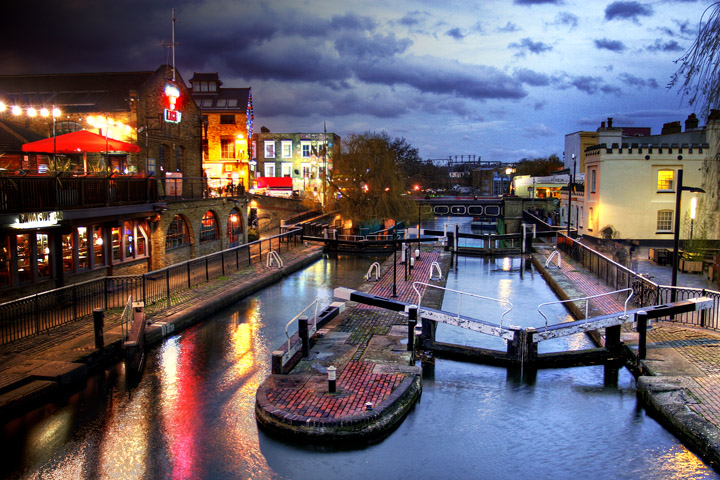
(455, 33)
(537, 2)
(633, 81)
(660, 46)
(532, 78)
(591, 85)
(434, 75)
(627, 11)
(366, 46)
(607, 44)
(526, 46)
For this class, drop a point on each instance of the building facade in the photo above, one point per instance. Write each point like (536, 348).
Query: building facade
(306, 158)
(227, 119)
(631, 182)
(71, 217)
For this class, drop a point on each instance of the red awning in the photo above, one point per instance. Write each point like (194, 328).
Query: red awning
(77, 142)
(275, 182)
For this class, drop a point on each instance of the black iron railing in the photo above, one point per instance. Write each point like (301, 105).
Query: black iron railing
(37, 314)
(645, 292)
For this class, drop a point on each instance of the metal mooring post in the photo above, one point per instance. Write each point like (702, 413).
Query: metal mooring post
(412, 323)
(303, 333)
(331, 371)
(99, 323)
(641, 318)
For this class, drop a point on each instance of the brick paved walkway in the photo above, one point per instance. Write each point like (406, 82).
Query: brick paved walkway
(698, 346)
(360, 380)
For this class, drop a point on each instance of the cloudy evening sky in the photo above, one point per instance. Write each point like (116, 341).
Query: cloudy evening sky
(500, 79)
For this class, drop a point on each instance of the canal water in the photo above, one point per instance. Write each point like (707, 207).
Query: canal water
(191, 416)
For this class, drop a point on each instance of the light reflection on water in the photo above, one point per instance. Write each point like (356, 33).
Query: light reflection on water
(192, 414)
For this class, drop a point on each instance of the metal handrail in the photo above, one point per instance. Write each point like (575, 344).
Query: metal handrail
(553, 254)
(274, 256)
(419, 302)
(375, 267)
(587, 303)
(310, 329)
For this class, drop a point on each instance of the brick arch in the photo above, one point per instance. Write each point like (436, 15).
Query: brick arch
(217, 222)
(234, 236)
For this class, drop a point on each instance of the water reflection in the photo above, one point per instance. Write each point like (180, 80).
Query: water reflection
(192, 414)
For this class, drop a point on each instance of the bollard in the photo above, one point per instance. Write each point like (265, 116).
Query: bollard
(641, 318)
(331, 370)
(303, 333)
(99, 323)
(412, 323)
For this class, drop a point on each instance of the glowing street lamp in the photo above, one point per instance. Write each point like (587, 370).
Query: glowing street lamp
(676, 235)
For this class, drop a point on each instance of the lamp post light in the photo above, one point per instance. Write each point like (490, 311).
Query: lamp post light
(676, 233)
(693, 213)
(570, 187)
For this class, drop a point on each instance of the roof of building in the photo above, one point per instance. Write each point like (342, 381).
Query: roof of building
(75, 92)
(206, 77)
(221, 99)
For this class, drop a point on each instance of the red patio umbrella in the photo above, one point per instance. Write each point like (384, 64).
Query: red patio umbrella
(80, 141)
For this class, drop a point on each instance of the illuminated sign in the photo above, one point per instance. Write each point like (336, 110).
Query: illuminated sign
(38, 220)
(173, 116)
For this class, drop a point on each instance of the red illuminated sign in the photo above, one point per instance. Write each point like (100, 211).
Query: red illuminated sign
(173, 116)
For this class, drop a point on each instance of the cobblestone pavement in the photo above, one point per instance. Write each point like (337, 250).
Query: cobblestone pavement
(700, 347)
(359, 380)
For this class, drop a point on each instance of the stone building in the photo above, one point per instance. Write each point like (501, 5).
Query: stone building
(227, 118)
(70, 217)
(631, 181)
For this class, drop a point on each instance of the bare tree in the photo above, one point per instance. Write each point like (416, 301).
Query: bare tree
(698, 76)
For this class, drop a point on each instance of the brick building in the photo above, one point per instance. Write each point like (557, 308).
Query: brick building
(227, 117)
(66, 218)
(304, 157)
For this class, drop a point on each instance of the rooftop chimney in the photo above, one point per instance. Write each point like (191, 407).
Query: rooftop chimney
(672, 127)
(609, 122)
(691, 123)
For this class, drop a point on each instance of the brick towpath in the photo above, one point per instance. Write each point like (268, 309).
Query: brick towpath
(368, 346)
(680, 379)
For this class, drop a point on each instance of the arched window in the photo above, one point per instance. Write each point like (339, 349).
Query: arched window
(234, 228)
(209, 229)
(178, 234)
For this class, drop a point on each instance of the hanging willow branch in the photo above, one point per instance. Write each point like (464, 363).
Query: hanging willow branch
(698, 76)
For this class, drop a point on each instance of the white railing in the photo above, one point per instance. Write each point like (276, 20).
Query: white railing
(290, 351)
(374, 268)
(126, 319)
(459, 308)
(435, 266)
(555, 253)
(587, 303)
(274, 257)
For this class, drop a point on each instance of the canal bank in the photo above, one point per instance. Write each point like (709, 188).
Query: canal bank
(679, 381)
(50, 366)
(366, 348)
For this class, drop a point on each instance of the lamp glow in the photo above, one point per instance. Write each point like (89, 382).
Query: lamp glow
(693, 207)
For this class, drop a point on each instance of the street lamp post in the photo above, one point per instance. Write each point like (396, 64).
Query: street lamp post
(570, 187)
(676, 232)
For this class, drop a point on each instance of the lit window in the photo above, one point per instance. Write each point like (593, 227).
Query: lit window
(664, 221)
(665, 180)
(269, 149)
(269, 169)
(178, 234)
(227, 148)
(234, 227)
(286, 169)
(209, 228)
(286, 146)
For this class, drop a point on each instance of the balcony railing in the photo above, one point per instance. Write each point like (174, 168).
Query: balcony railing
(40, 193)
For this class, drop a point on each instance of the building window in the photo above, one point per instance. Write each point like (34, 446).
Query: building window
(286, 169)
(665, 180)
(227, 119)
(234, 228)
(593, 180)
(664, 221)
(24, 257)
(178, 234)
(305, 149)
(227, 147)
(205, 150)
(232, 102)
(286, 146)
(209, 228)
(590, 219)
(162, 158)
(269, 149)
(306, 170)
(98, 249)
(221, 103)
(269, 169)
(5, 262)
(207, 102)
(180, 158)
(43, 255)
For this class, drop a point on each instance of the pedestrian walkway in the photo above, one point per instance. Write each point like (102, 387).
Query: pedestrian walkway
(34, 370)
(377, 380)
(681, 374)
